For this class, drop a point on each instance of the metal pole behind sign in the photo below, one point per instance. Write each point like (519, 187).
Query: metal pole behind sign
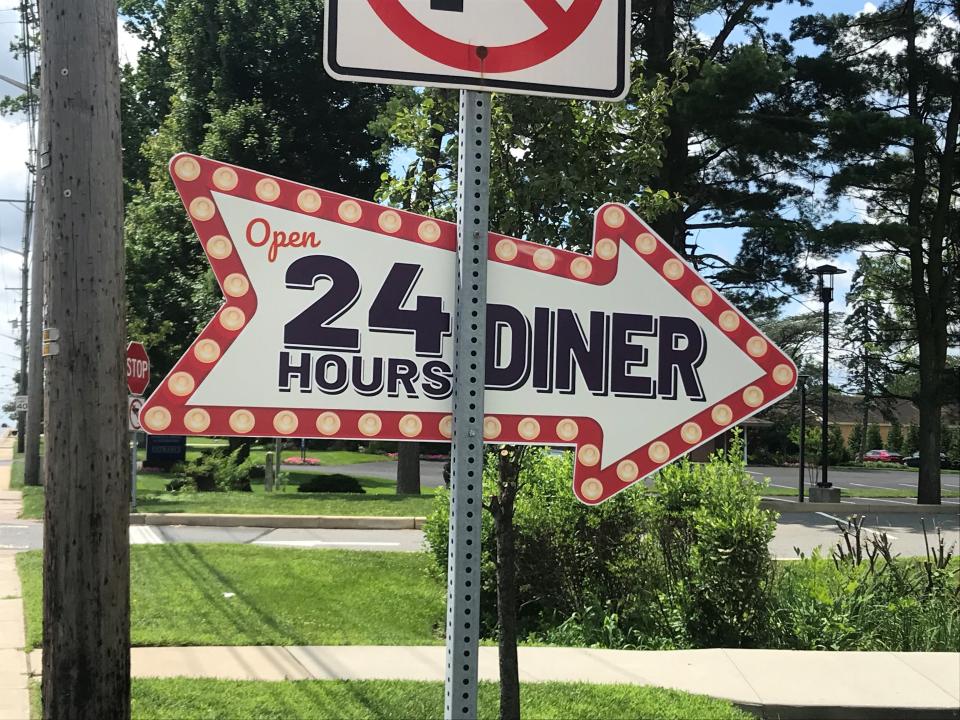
(466, 455)
(133, 471)
(803, 435)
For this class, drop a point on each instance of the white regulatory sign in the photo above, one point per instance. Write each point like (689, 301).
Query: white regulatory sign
(561, 48)
(134, 406)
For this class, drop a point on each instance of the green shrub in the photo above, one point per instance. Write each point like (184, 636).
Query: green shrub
(334, 483)
(713, 537)
(686, 564)
(864, 597)
(218, 471)
(570, 557)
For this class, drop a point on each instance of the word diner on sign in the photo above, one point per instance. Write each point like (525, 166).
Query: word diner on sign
(562, 48)
(338, 320)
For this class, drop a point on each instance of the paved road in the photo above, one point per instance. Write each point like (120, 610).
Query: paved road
(852, 480)
(431, 471)
(803, 530)
(806, 531)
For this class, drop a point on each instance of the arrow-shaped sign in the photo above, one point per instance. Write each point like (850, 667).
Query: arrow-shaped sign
(338, 319)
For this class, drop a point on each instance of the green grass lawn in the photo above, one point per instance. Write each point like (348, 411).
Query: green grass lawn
(281, 596)
(195, 447)
(380, 497)
(182, 699)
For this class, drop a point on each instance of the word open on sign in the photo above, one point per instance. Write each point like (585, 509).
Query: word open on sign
(337, 322)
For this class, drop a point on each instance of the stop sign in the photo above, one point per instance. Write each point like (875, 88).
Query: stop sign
(138, 368)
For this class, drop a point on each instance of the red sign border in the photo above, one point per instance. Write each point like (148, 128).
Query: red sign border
(616, 229)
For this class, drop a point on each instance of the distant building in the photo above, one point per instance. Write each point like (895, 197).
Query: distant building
(846, 411)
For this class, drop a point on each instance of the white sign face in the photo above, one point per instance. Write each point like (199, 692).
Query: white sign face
(21, 403)
(338, 322)
(561, 48)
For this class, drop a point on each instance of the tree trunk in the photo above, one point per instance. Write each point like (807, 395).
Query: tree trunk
(502, 509)
(865, 419)
(928, 284)
(408, 468)
(86, 569)
(658, 47)
(243, 444)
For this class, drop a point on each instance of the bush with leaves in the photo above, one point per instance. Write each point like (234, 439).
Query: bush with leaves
(865, 597)
(713, 538)
(219, 471)
(570, 557)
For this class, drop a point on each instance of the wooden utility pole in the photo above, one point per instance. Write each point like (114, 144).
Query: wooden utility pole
(86, 603)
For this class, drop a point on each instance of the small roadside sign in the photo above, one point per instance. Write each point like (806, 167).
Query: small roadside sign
(21, 403)
(138, 368)
(576, 49)
(134, 406)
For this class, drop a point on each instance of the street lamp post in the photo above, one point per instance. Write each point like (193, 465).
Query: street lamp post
(802, 381)
(825, 274)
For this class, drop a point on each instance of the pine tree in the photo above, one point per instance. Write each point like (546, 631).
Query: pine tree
(737, 131)
(874, 439)
(838, 448)
(911, 440)
(855, 441)
(888, 89)
(895, 436)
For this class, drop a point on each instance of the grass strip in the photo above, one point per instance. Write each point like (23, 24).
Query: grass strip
(178, 699)
(379, 499)
(185, 699)
(247, 595)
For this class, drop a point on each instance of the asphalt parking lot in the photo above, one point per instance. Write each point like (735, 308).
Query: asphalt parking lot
(854, 480)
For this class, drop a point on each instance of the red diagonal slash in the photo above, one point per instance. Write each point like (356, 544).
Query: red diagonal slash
(550, 12)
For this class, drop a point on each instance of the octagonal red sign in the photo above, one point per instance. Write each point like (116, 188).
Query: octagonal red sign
(138, 368)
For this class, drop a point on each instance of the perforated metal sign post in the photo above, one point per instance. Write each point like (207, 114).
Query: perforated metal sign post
(466, 455)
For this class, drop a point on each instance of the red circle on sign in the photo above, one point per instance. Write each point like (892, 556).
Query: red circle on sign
(562, 28)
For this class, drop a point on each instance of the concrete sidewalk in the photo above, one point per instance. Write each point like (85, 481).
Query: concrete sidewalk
(14, 678)
(779, 684)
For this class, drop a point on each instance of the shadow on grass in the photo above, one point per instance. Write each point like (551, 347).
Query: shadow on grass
(184, 564)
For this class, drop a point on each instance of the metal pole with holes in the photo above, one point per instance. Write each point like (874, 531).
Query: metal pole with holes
(133, 471)
(466, 455)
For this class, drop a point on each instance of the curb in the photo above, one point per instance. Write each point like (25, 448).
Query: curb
(326, 522)
(846, 712)
(847, 509)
